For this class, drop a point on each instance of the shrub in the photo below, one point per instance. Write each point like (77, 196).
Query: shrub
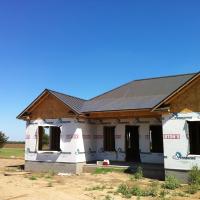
(194, 176)
(137, 191)
(123, 189)
(171, 183)
(139, 173)
(192, 189)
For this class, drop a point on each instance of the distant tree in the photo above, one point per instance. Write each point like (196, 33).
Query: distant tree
(45, 139)
(3, 139)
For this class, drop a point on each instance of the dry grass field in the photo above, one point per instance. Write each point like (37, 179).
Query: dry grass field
(98, 186)
(12, 145)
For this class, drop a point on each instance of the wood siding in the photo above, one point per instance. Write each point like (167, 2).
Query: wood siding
(50, 108)
(188, 100)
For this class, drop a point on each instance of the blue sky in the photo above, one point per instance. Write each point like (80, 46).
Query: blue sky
(84, 48)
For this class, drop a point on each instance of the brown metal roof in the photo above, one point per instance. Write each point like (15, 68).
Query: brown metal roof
(74, 103)
(138, 94)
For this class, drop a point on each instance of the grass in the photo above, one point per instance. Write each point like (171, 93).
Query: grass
(108, 197)
(33, 178)
(98, 187)
(192, 189)
(50, 174)
(163, 194)
(50, 184)
(169, 189)
(9, 152)
(103, 170)
(135, 190)
(139, 173)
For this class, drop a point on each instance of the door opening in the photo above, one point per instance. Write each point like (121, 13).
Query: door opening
(132, 143)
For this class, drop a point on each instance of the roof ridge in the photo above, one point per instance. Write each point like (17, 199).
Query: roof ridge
(141, 80)
(65, 94)
(169, 76)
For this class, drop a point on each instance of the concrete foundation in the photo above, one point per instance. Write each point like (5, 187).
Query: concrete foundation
(181, 175)
(36, 166)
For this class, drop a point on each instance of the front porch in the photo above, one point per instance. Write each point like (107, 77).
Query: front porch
(127, 141)
(150, 170)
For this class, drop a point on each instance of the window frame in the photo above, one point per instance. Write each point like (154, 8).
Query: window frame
(151, 139)
(50, 138)
(106, 147)
(189, 138)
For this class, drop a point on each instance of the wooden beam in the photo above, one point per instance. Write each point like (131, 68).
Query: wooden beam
(124, 114)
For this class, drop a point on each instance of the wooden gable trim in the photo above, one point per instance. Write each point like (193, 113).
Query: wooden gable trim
(188, 100)
(177, 92)
(38, 101)
(51, 108)
(44, 98)
(183, 90)
(20, 116)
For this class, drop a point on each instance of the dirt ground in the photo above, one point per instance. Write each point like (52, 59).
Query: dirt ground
(53, 187)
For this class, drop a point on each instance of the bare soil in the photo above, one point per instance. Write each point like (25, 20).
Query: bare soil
(53, 187)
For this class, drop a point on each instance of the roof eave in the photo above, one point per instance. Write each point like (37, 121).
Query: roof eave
(121, 110)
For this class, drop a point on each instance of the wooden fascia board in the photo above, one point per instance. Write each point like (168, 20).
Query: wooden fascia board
(30, 105)
(38, 102)
(124, 110)
(168, 98)
(183, 90)
(123, 114)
